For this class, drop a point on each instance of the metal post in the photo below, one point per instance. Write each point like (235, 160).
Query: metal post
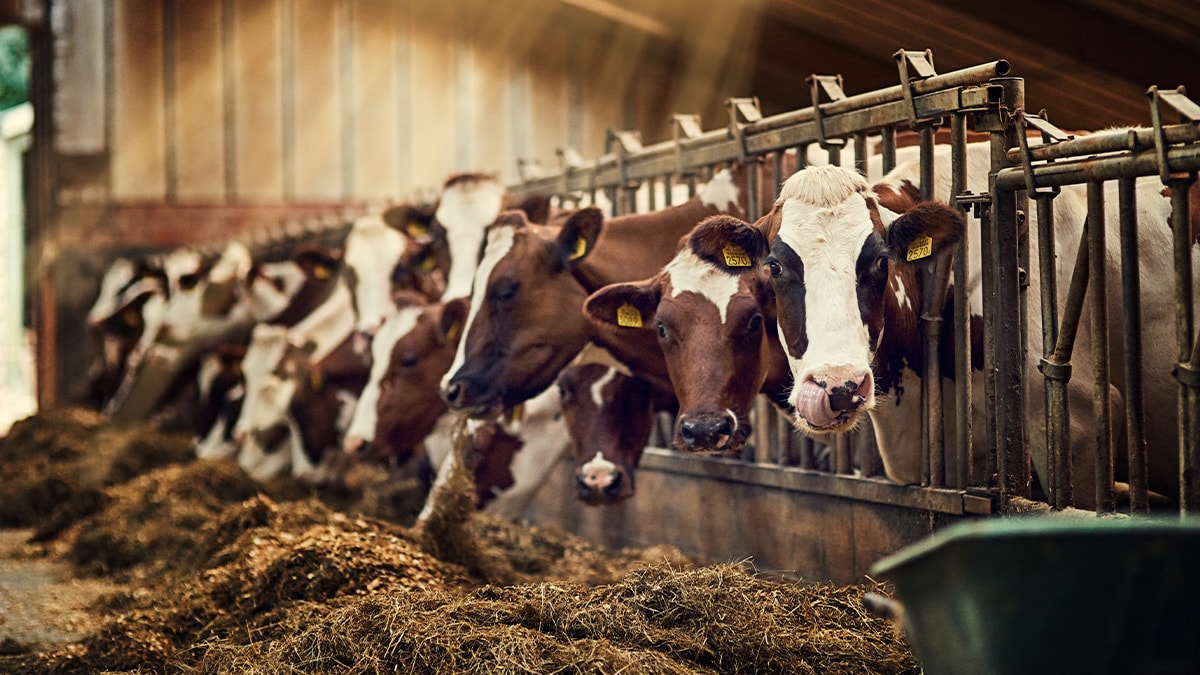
(1098, 305)
(1135, 417)
(962, 312)
(1186, 371)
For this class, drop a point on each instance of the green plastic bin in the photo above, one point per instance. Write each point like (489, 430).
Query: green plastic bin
(1053, 595)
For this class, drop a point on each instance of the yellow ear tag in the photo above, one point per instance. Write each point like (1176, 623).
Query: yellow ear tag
(921, 247)
(314, 379)
(580, 249)
(628, 316)
(416, 229)
(453, 331)
(735, 256)
(322, 271)
(428, 264)
(516, 413)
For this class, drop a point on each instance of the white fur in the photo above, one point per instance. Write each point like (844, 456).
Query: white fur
(365, 418)
(597, 388)
(690, 273)
(499, 243)
(465, 210)
(373, 249)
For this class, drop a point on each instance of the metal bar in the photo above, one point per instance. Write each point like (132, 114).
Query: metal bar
(1109, 141)
(1189, 420)
(1055, 400)
(1135, 417)
(1141, 163)
(1013, 456)
(841, 454)
(987, 246)
(888, 148)
(1098, 306)
(962, 312)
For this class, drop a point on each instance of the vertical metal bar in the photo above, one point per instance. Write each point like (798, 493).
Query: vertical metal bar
(763, 448)
(888, 148)
(1057, 369)
(1131, 294)
(1189, 425)
(834, 151)
(753, 183)
(1098, 306)
(962, 312)
(1049, 298)
(777, 171)
(668, 188)
(933, 297)
(860, 152)
(1013, 450)
(841, 454)
(807, 454)
(652, 199)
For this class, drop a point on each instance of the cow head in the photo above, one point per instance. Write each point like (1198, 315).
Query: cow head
(373, 250)
(413, 357)
(608, 414)
(709, 308)
(468, 204)
(837, 259)
(270, 386)
(524, 323)
(425, 264)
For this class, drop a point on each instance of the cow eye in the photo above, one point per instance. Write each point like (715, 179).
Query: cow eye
(505, 291)
(881, 264)
(755, 323)
(189, 281)
(662, 330)
(774, 267)
(410, 362)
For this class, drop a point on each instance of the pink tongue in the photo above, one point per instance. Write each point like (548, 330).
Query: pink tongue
(812, 403)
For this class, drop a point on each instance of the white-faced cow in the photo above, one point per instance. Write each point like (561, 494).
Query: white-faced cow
(843, 259)
(130, 290)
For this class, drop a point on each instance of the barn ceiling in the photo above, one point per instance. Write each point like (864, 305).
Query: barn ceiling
(1087, 62)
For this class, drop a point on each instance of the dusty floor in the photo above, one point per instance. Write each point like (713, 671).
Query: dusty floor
(40, 601)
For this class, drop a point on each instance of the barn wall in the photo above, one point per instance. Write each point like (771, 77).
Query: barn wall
(196, 121)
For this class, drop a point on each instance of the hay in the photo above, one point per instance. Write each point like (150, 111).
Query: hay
(232, 575)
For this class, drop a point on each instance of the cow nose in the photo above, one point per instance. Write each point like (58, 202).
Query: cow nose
(595, 487)
(709, 432)
(453, 393)
(847, 390)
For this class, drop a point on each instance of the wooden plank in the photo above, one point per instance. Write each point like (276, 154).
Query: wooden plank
(375, 143)
(818, 537)
(317, 87)
(139, 149)
(199, 102)
(432, 157)
(258, 108)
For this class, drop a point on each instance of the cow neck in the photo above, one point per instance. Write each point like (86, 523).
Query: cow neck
(637, 246)
(329, 324)
(900, 345)
(312, 294)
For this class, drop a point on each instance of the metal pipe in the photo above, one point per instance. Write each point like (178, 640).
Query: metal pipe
(1131, 294)
(1098, 306)
(1109, 141)
(962, 312)
(1189, 419)
(1055, 400)
(1141, 163)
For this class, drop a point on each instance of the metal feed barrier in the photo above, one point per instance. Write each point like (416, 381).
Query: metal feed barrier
(985, 99)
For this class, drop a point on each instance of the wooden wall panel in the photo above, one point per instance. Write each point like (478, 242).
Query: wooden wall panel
(258, 108)
(139, 150)
(432, 95)
(199, 138)
(317, 92)
(548, 95)
(490, 126)
(373, 122)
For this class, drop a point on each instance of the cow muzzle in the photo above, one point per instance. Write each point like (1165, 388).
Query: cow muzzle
(600, 481)
(707, 432)
(830, 400)
(472, 394)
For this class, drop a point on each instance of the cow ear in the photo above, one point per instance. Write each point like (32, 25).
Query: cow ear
(414, 221)
(627, 305)
(536, 208)
(728, 244)
(454, 318)
(579, 234)
(922, 234)
(317, 263)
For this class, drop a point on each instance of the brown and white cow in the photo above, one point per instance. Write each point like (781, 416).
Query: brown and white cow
(842, 261)
(711, 313)
(130, 291)
(525, 323)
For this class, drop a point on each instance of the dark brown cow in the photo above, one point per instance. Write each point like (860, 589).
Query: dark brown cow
(711, 313)
(525, 323)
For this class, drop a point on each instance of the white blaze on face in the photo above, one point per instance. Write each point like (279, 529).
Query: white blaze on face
(118, 276)
(366, 415)
(690, 273)
(597, 388)
(499, 244)
(266, 398)
(373, 250)
(234, 263)
(273, 289)
(465, 210)
(825, 222)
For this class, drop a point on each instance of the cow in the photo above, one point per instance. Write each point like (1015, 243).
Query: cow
(525, 321)
(467, 205)
(311, 365)
(710, 312)
(843, 261)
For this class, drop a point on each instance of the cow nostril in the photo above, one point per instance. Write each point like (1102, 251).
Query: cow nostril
(848, 395)
(451, 392)
(615, 486)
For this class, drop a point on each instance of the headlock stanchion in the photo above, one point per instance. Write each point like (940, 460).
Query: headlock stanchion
(988, 465)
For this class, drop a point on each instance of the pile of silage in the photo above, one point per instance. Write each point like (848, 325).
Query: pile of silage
(234, 580)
